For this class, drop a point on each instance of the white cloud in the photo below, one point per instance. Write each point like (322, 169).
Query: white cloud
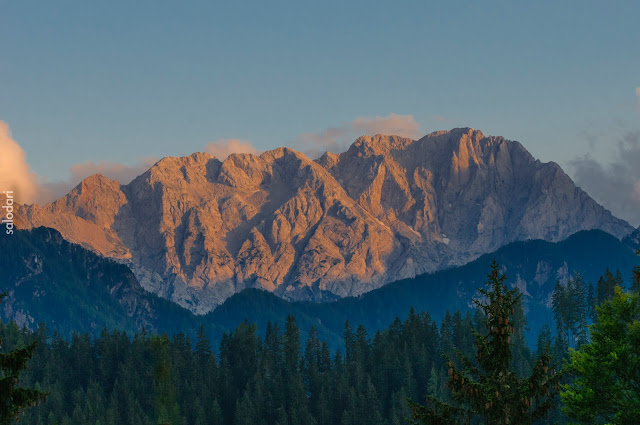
(28, 187)
(332, 139)
(15, 172)
(392, 124)
(222, 148)
(616, 185)
(337, 139)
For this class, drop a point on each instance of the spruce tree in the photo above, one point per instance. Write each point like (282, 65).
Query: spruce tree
(12, 397)
(606, 372)
(591, 302)
(635, 282)
(487, 388)
(165, 404)
(203, 345)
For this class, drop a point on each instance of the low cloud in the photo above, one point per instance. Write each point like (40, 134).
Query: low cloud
(440, 118)
(29, 188)
(617, 184)
(15, 173)
(392, 124)
(338, 139)
(222, 148)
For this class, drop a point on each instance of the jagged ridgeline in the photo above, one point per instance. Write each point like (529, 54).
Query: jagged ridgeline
(69, 288)
(72, 289)
(196, 230)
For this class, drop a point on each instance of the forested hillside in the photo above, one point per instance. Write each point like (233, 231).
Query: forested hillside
(146, 378)
(68, 288)
(71, 289)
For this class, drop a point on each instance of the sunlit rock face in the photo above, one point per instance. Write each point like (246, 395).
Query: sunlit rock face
(196, 230)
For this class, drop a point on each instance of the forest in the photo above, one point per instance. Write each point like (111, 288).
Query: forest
(406, 372)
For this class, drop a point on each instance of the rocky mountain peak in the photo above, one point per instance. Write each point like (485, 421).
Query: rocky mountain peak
(96, 199)
(196, 229)
(379, 144)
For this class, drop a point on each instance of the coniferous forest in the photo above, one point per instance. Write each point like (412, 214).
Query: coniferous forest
(145, 378)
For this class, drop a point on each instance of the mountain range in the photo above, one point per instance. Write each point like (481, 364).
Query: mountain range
(71, 289)
(196, 230)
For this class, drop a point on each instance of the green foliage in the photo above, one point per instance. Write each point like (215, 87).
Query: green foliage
(13, 398)
(164, 398)
(606, 387)
(486, 387)
(570, 305)
(76, 290)
(69, 288)
(587, 252)
(150, 379)
(266, 376)
(607, 284)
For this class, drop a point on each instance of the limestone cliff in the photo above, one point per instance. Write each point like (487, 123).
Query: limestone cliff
(196, 230)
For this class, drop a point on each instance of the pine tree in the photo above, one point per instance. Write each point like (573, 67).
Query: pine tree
(606, 384)
(489, 389)
(296, 402)
(606, 285)
(591, 302)
(433, 387)
(635, 282)
(544, 340)
(166, 407)
(312, 369)
(203, 346)
(579, 307)
(12, 397)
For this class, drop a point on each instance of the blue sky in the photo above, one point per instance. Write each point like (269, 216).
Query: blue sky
(119, 81)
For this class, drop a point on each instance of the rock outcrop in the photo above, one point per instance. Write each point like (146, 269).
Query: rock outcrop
(196, 230)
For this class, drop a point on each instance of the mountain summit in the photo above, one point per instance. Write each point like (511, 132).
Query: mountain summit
(197, 230)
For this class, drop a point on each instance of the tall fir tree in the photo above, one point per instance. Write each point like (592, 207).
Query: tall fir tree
(591, 302)
(166, 408)
(203, 345)
(12, 397)
(635, 282)
(488, 388)
(606, 371)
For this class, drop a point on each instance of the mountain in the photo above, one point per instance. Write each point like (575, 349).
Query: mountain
(532, 266)
(196, 230)
(71, 289)
(68, 288)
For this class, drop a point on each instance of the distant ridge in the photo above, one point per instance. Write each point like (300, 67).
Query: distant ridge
(532, 266)
(196, 230)
(68, 288)
(71, 289)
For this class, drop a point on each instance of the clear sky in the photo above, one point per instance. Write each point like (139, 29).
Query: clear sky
(121, 81)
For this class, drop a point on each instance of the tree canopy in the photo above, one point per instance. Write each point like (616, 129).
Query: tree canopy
(12, 397)
(487, 387)
(606, 371)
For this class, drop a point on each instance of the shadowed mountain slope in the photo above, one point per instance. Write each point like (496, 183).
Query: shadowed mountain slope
(72, 289)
